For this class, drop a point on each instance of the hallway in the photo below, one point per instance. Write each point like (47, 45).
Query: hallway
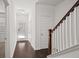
(32, 28)
(24, 50)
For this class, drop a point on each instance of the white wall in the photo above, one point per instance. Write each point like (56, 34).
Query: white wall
(2, 6)
(32, 24)
(44, 21)
(12, 34)
(62, 9)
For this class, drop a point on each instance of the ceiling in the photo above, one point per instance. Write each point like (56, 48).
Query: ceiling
(51, 2)
(26, 4)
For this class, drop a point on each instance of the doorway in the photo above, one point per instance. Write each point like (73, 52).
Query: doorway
(22, 25)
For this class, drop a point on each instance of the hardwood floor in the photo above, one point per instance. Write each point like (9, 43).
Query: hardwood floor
(24, 50)
(2, 49)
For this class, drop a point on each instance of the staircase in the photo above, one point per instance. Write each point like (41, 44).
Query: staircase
(64, 38)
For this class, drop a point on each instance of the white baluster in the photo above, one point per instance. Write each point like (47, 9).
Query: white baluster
(63, 35)
(66, 37)
(76, 13)
(60, 30)
(58, 40)
(75, 25)
(72, 28)
(70, 38)
(68, 30)
(53, 42)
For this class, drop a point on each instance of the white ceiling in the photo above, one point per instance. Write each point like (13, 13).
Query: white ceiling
(26, 4)
(51, 2)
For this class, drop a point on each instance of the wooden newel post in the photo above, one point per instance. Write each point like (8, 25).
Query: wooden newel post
(50, 42)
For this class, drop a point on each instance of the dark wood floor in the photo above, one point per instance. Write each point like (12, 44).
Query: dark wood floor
(24, 50)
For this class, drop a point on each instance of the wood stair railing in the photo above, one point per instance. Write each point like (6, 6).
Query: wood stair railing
(60, 22)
